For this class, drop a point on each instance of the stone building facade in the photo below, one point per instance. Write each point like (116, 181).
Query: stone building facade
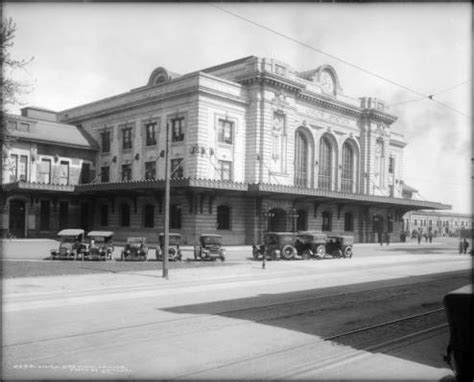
(439, 223)
(255, 146)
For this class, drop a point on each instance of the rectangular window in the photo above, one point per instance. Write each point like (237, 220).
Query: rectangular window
(150, 131)
(150, 170)
(64, 172)
(225, 170)
(105, 141)
(127, 138)
(177, 168)
(177, 129)
(44, 215)
(13, 167)
(45, 175)
(391, 165)
(105, 174)
(126, 172)
(85, 173)
(23, 168)
(225, 131)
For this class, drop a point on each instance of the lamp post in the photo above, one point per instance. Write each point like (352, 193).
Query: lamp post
(294, 215)
(167, 203)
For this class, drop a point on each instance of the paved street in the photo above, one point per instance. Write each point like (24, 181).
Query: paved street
(240, 321)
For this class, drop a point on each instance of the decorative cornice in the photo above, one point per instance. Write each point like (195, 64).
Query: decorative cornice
(33, 186)
(330, 103)
(378, 115)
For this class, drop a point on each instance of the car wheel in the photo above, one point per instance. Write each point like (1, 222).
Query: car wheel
(307, 254)
(288, 252)
(348, 252)
(320, 251)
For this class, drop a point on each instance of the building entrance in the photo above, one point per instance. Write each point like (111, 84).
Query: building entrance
(16, 224)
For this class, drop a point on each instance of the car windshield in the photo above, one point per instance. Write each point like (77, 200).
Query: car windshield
(211, 240)
(98, 239)
(68, 239)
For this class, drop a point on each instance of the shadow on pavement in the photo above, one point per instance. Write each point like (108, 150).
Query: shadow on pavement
(327, 312)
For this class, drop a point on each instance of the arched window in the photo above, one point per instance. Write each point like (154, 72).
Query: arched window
(223, 218)
(348, 222)
(124, 215)
(347, 176)
(302, 220)
(327, 221)
(325, 164)
(175, 216)
(149, 216)
(301, 160)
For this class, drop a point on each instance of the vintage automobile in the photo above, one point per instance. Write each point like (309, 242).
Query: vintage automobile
(276, 245)
(135, 250)
(339, 246)
(311, 244)
(209, 248)
(174, 252)
(458, 305)
(101, 246)
(71, 246)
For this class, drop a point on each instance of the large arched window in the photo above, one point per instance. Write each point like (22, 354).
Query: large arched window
(301, 160)
(124, 215)
(325, 164)
(149, 216)
(347, 176)
(223, 218)
(327, 221)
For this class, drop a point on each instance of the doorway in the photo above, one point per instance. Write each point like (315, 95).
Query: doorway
(17, 218)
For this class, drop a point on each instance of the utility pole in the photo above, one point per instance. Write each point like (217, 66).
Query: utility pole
(167, 203)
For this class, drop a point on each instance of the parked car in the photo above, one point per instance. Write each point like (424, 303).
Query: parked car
(339, 246)
(71, 245)
(209, 248)
(135, 249)
(311, 244)
(174, 252)
(101, 245)
(276, 245)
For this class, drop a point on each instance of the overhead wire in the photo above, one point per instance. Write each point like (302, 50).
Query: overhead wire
(395, 83)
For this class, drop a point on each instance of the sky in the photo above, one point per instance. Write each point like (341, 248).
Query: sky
(83, 52)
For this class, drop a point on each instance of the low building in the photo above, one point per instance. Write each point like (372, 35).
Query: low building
(439, 223)
(254, 144)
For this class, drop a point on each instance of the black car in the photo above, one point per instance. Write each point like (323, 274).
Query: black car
(339, 246)
(209, 248)
(276, 245)
(174, 252)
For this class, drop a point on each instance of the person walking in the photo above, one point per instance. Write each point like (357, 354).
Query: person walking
(430, 236)
(419, 237)
(387, 238)
(465, 244)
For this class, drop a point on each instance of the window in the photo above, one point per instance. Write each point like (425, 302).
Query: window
(105, 174)
(149, 216)
(85, 173)
(325, 164)
(127, 138)
(391, 165)
(105, 141)
(326, 221)
(104, 215)
(223, 218)
(124, 215)
(14, 168)
(225, 169)
(347, 168)
(44, 215)
(176, 168)
(301, 160)
(175, 216)
(24, 126)
(64, 172)
(150, 131)
(348, 222)
(177, 129)
(12, 125)
(225, 131)
(301, 220)
(150, 170)
(126, 172)
(45, 174)
(63, 214)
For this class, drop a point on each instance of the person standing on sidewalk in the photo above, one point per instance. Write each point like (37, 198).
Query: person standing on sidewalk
(387, 238)
(419, 237)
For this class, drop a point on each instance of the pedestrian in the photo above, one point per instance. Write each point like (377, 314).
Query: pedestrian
(430, 236)
(465, 244)
(419, 237)
(387, 238)
(426, 237)
(460, 247)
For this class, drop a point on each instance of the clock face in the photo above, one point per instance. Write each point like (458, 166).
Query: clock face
(327, 82)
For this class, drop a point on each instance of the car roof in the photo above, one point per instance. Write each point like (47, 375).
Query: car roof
(279, 233)
(100, 233)
(171, 234)
(341, 236)
(71, 232)
(210, 234)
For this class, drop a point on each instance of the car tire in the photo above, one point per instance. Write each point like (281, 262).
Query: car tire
(348, 252)
(288, 252)
(307, 254)
(320, 251)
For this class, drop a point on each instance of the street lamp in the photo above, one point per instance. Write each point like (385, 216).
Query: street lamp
(268, 214)
(294, 215)
(167, 203)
